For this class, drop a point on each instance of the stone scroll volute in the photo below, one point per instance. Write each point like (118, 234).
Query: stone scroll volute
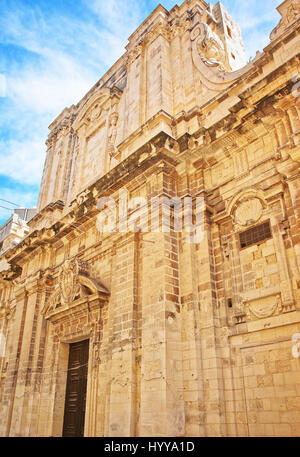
(209, 57)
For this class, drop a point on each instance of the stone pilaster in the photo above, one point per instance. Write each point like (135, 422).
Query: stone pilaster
(162, 405)
(122, 394)
(19, 421)
(9, 390)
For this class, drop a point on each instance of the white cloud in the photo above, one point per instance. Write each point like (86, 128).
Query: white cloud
(117, 15)
(22, 160)
(2, 86)
(21, 198)
(70, 53)
(61, 82)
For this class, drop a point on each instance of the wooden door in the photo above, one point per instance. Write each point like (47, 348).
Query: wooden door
(76, 390)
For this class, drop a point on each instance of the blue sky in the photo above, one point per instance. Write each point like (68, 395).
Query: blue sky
(52, 52)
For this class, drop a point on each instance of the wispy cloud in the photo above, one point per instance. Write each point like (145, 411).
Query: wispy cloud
(22, 160)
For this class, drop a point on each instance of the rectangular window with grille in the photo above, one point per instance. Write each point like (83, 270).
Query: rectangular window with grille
(255, 235)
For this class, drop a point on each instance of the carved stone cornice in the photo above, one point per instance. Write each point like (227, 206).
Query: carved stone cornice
(63, 126)
(35, 284)
(50, 208)
(161, 148)
(20, 292)
(134, 54)
(13, 272)
(295, 154)
(288, 167)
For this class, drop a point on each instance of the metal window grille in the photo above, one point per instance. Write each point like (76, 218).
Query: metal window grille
(255, 235)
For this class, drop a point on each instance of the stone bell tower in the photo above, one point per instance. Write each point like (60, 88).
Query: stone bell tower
(231, 36)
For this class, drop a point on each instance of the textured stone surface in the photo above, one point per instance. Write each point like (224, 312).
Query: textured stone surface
(186, 339)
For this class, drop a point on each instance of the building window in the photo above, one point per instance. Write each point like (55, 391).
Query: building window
(229, 32)
(255, 235)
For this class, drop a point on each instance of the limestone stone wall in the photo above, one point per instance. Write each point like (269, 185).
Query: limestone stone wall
(186, 338)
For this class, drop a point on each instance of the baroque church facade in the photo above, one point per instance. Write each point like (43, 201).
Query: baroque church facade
(146, 332)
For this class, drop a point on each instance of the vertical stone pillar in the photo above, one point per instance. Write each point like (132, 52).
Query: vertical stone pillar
(162, 406)
(285, 277)
(62, 164)
(45, 179)
(122, 404)
(209, 325)
(191, 342)
(79, 169)
(38, 360)
(7, 338)
(290, 170)
(289, 152)
(19, 422)
(9, 389)
(294, 188)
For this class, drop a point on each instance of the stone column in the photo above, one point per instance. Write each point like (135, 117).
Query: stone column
(191, 341)
(13, 362)
(162, 405)
(38, 356)
(209, 326)
(288, 158)
(123, 303)
(289, 169)
(80, 159)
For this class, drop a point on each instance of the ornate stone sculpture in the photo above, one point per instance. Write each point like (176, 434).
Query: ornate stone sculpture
(68, 281)
(6, 311)
(247, 207)
(112, 136)
(95, 113)
(209, 56)
(211, 48)
(290, 12)
(73, 282)
(248, 212)
(263, 308)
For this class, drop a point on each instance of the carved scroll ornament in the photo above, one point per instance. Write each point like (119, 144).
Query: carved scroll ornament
(211, 48)
(209, 57)
(290, 12)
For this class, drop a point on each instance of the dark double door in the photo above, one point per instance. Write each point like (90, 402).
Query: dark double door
(76, 390)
